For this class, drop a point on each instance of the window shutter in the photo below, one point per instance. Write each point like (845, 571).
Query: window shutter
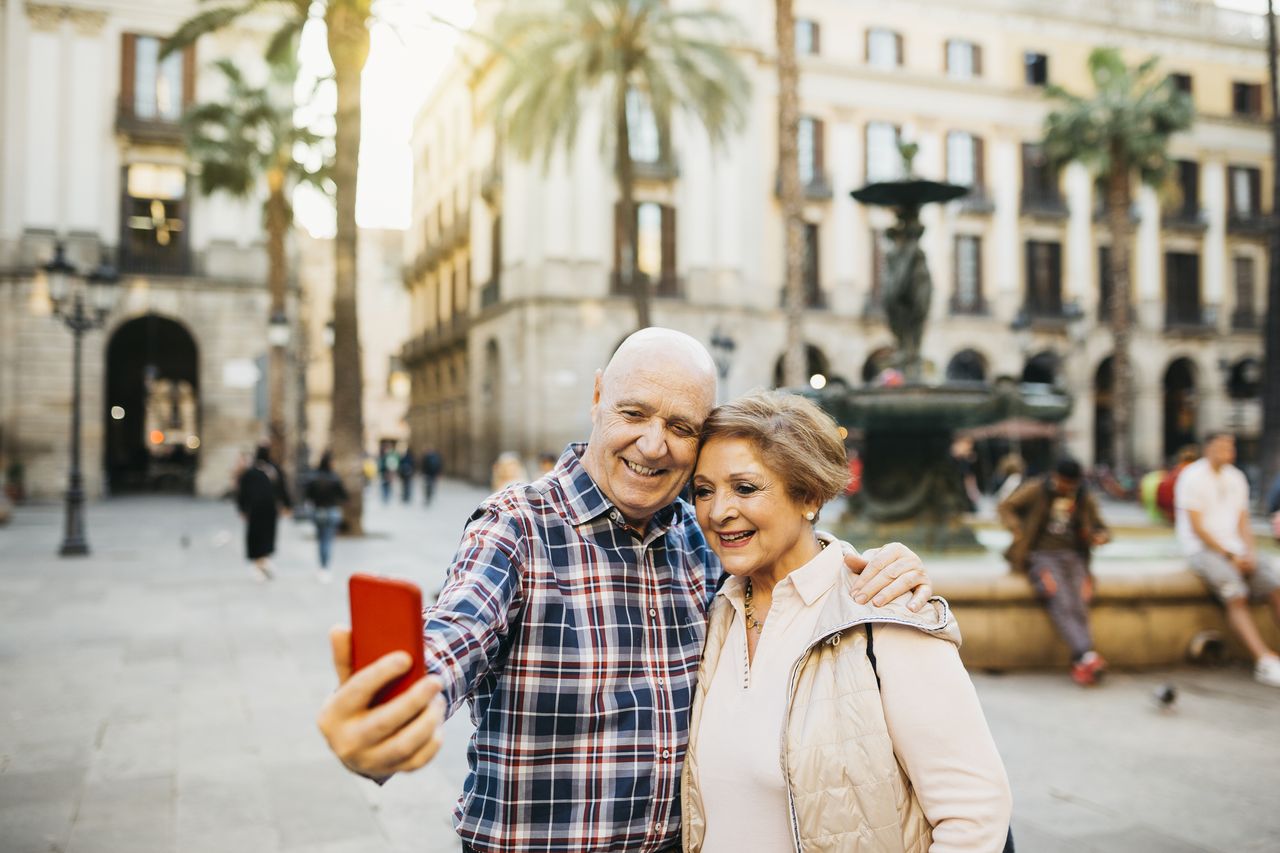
(188, 75)
(1255, 99)
(816, 29)
(897, 48)
(818, 162)
(127, 66)
(977, 60)
(979, 300)
(1029, 287)
(1055, 278)
(979, 161)
(668, 246)
(1255, 192)
(1232, 210)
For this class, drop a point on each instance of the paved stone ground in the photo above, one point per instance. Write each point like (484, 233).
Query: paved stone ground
(154, 697)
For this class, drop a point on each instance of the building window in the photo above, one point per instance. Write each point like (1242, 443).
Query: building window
(967, 298)
(655, 250)
(1182, 289)
(1244, 188)
(884, 161)
(808, 37)
(1246, 99)
(964, 60)
(154, 225)
(1181, 82)
(812, 284)
(1044, 279)
(1104, 284)
(809, 132)
(1037, 68)
(884, 48)
(1245, 315)
(151, 88)
(1039, 179)
(642, 129)
(964, 159)
(1185, 205)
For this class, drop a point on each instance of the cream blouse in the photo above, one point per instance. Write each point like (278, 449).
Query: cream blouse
(939, 733)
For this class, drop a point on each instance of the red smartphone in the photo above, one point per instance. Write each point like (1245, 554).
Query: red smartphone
(386, 616)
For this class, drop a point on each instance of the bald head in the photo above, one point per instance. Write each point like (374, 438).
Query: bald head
(667, 347)
(646, 415)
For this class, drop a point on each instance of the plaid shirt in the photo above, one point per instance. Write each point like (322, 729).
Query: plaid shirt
(578, 645)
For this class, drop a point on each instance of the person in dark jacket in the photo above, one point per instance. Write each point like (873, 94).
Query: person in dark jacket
(260, 495)
(326, 495)
(432, 467)
(408, 467)
(1055, 526)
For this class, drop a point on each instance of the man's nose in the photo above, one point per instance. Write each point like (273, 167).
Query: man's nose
(653, 440)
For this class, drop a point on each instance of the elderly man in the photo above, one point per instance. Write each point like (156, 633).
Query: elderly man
(573, 620)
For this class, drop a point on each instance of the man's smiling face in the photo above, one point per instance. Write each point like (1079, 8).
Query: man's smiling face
(647, 412)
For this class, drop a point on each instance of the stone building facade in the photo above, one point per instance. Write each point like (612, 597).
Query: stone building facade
(92, 156)
(511, 268)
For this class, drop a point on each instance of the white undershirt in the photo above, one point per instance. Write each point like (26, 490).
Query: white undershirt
(938, 730)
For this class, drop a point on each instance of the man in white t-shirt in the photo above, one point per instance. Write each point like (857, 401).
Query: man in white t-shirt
(1211, 501)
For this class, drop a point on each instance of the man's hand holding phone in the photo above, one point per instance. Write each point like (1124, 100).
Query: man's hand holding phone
(384, 718)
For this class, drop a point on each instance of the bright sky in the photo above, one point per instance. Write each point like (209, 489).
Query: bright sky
(407, 53)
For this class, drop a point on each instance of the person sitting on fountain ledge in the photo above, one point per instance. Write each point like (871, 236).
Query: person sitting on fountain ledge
(1055, 524)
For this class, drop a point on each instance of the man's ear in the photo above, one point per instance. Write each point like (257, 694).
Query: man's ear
(595, 394)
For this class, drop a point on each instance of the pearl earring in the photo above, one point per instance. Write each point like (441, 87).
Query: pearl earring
(810, 515)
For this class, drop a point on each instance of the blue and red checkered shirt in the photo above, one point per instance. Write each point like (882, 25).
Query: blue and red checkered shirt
(577, 642)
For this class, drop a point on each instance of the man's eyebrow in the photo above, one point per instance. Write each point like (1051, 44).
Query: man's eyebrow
(633, 404)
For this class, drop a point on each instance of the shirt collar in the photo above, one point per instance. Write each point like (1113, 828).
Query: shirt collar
(811, 581)
(584, 501)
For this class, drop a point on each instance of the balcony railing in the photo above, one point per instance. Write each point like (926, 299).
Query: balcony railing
(167, 260)
(969, 307)
(1252, 223)
(977, 201)
(1246, 320)
(665, 168)
(153, 129)
(818, 188)
(667, 287)
(1044, 204)
(1189, 218)
(1184, 318)
(490, 292)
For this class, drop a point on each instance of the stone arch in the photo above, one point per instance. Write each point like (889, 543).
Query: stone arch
(968, 365)
(1181, 408)
(878, 360)
(816, 364)
(1042, 368)
(151, 417)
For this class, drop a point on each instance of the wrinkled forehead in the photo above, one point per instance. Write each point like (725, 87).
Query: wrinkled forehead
(664, 383)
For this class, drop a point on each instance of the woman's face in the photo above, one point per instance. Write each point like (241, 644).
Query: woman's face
(746, 513)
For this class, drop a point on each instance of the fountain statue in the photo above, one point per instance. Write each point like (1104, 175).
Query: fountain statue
(911, 490)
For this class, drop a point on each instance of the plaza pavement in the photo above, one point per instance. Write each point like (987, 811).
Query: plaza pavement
(155, 697)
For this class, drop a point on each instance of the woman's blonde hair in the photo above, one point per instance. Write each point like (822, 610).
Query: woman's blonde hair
(795, 439)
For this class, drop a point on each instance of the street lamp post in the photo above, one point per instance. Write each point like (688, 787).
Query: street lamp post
(67, 291)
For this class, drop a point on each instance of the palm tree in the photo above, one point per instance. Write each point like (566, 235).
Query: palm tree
(1271, 374)
(790, 193)
(1120, 133)
(562, 57)
(238, 142)
(346, 23)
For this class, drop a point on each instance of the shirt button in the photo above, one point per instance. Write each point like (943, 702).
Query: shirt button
(660, 682)
(652, 612)
(666, 753)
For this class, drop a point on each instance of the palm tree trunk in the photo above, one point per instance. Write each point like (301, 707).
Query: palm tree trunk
(349, 48)
(1119, 198)
(277, 274)
(624, 170)
(1271, 374)
(793, 369)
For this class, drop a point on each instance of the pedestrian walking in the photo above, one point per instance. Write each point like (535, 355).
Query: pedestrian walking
(1056, 525)
(1211, 501)
(261, 495)
(406, 469)
(388, 466)
(432, 468)
(326, 494)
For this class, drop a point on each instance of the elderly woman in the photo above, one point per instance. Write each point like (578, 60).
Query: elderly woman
(819, 723)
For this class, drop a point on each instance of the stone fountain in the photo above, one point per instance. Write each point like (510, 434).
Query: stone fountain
(911, 488)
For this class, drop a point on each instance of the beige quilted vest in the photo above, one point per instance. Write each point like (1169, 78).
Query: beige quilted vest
(845, 787)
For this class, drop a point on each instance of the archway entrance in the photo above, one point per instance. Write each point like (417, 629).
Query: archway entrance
(152, 417)
(816, 366)
(1041, 368)
(1103, 421)
(1179, 406)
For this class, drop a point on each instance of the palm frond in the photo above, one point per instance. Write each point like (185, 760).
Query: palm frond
(203, 23)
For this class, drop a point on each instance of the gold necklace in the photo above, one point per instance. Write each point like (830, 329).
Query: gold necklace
(749, 609)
